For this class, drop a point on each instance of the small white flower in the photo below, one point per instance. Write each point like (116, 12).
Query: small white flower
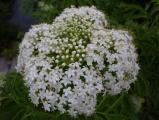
(83, 55)
(63, 57)
(73, 52)
(63, 64)
(72, 59)
(56, 61)
(57, 56)
(67, 51)
(77, 55)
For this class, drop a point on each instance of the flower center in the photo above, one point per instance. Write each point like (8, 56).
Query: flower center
(72, 39)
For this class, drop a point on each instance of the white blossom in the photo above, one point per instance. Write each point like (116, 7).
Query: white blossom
(68, 63)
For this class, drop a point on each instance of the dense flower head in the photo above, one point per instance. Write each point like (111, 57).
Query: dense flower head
(90, 13)
(68, 63)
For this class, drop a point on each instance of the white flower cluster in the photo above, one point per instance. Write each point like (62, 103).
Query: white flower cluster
(66, 64)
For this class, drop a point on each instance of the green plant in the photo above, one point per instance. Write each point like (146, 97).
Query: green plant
(141, 102)
(153, 10)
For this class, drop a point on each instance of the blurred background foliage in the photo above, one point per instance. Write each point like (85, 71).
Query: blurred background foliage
(141, 17)
(8, 31)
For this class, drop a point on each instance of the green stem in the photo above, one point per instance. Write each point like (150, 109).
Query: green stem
(102, 114)
(100, 104)
(114, 104)
(18, 113)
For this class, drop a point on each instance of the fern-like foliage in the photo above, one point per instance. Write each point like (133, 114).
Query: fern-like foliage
(153, 9)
